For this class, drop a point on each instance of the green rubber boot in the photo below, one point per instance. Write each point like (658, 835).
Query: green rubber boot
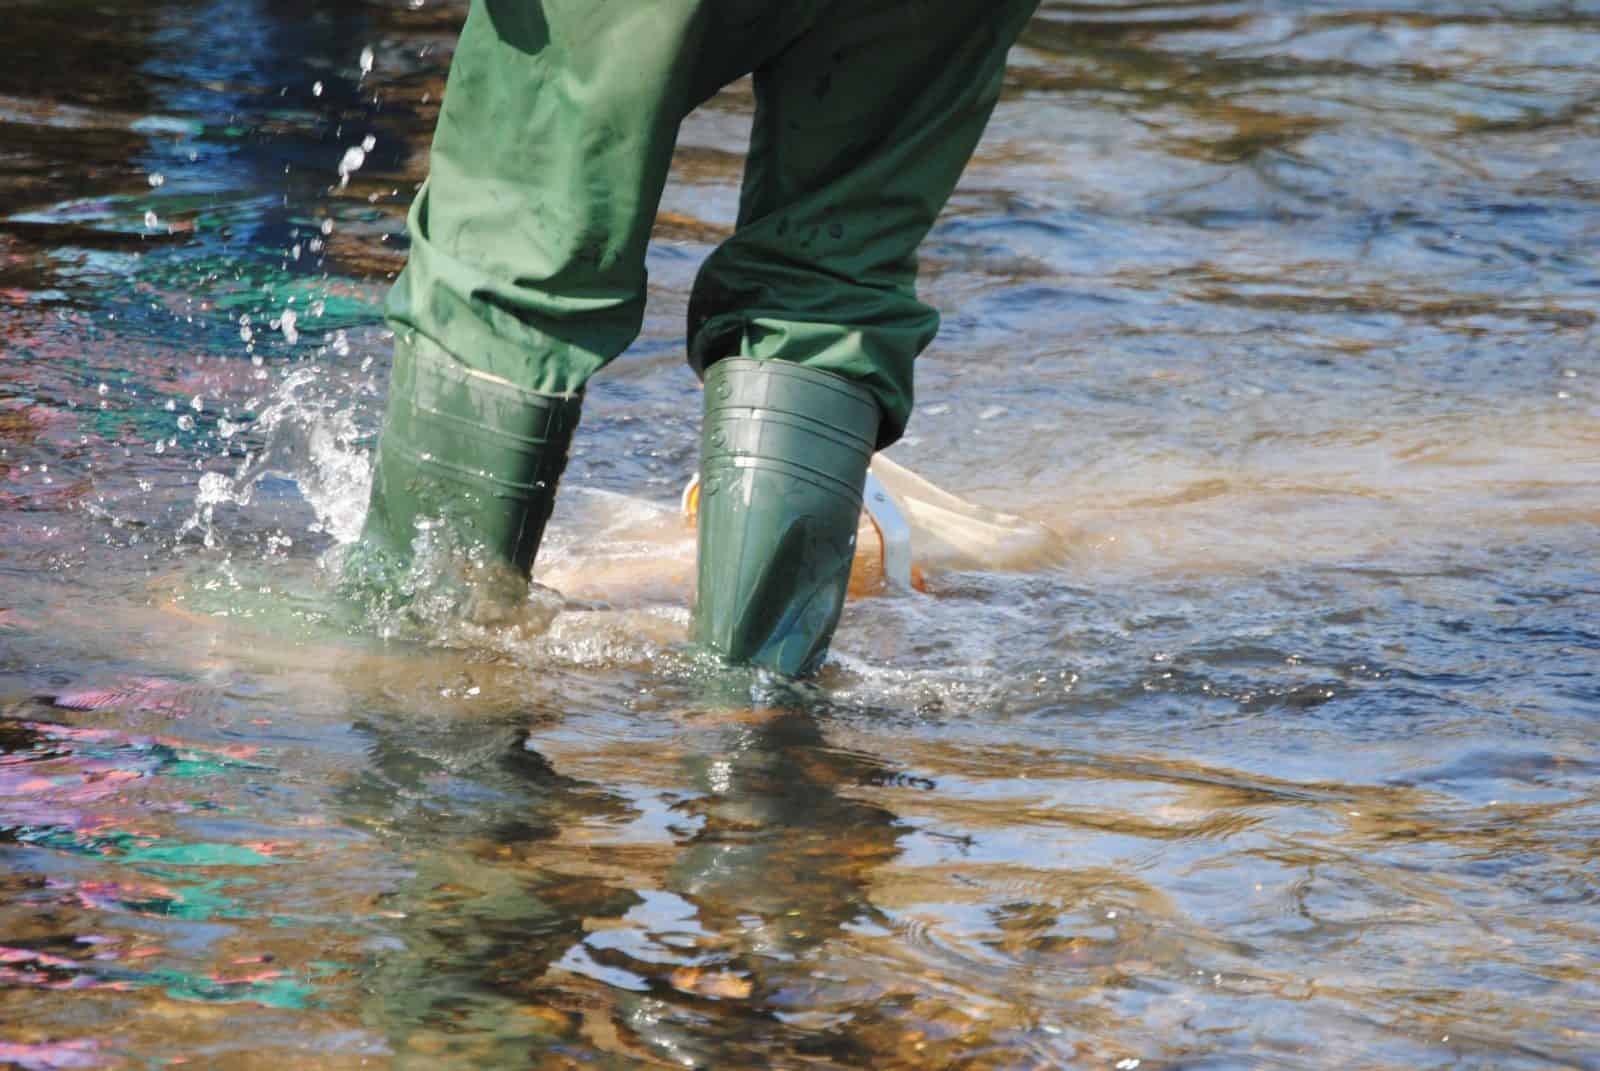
(784, 455)
(471, 449)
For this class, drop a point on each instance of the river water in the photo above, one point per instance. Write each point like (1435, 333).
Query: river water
(1281, 313)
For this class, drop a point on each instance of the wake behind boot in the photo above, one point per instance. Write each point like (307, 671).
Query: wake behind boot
(470, 450)
(784, 455)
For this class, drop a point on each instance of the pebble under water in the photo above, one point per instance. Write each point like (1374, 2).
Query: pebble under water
(1282, 313)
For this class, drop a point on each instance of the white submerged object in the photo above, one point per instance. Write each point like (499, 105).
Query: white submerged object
(894, 532)
(948, 532)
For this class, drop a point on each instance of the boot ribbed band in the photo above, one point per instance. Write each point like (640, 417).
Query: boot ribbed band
(815, 425)
(471, 448)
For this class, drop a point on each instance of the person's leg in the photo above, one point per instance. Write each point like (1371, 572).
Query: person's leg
(526, 273)
(863, 126)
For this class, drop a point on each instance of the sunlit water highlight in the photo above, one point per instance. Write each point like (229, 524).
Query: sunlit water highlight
(1282, 314)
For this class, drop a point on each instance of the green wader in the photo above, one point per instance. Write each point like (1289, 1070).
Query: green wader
(528, 251)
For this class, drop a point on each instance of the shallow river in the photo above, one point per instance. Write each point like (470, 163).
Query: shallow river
(1281, 313)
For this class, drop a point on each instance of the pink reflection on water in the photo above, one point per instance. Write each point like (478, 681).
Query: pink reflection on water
(140, 693)
(49, 1055)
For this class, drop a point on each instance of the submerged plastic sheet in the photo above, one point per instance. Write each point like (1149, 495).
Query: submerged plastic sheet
(948, 532)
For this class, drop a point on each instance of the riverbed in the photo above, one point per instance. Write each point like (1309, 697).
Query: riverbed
(1280, 314)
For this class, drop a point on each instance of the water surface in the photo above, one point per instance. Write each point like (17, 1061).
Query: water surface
(1282, 313)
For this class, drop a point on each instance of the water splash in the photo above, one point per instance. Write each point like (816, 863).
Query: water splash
(310, 434)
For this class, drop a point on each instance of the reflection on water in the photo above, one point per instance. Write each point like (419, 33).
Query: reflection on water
(1284, 313)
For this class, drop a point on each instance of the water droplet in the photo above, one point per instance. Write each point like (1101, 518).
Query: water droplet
(197, 403)
(354, 157)
(103, 389)
(150, 220)
(290, 334)
(158, 179)
(316, 89)
(327, 226)
(367, 59)
(369, 143)
(186, 422)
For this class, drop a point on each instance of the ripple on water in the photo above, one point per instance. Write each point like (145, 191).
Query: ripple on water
(1279, 313)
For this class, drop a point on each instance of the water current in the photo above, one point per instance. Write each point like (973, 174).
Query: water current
(1282, 313)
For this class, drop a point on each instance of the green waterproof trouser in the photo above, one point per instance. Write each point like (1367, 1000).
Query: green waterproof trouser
(553, 145)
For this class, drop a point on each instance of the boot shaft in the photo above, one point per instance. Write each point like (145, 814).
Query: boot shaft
(784, 455)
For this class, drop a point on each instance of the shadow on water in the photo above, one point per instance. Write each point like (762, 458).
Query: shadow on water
(1283, 313)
